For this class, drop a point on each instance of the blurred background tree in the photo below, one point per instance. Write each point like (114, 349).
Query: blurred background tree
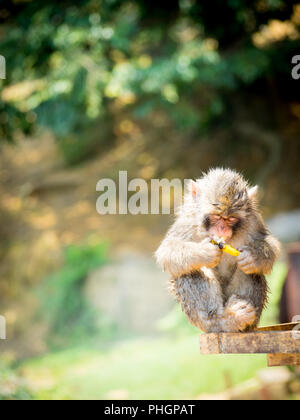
(192, 60)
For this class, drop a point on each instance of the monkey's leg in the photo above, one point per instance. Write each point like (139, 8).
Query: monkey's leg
(201, 299)
(247, 297)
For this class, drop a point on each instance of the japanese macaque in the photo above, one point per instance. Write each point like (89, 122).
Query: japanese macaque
(219, 292)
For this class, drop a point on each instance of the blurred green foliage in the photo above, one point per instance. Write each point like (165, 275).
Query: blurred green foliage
(69, 316)
(12, 386)
(182, 57)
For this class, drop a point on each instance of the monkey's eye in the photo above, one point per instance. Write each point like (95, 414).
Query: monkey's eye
(233, 220)
(214, 218)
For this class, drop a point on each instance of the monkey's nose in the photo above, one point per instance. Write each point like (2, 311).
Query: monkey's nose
(223, 231)
(222, 228)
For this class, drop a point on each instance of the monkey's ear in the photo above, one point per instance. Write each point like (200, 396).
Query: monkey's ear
(253, 193)
(194, 188)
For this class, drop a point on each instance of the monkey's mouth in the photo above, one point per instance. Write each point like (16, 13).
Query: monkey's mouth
(222, 231)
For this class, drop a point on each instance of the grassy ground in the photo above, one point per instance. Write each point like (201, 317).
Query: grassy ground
(144, 368)
(139, 369)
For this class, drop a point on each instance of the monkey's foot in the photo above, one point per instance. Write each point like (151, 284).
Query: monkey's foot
(241, 314)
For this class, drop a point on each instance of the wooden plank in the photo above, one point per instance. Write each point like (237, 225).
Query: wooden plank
(280, 327)
(283, 359)
(209, 343)
(249, 343)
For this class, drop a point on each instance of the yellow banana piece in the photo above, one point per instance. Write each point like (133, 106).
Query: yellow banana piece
(226, 248)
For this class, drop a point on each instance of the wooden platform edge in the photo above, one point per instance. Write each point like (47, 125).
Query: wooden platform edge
(280, 327)
(283, 359)
(261, 342)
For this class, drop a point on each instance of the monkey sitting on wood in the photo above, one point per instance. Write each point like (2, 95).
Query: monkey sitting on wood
(219, 292)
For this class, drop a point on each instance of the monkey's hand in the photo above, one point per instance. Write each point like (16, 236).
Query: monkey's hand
(210, 253)
(246, 262)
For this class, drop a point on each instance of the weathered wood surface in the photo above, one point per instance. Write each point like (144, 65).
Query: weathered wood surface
(283, 359)
(260, 341)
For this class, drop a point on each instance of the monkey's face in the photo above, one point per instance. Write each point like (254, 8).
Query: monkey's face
(220, 226)
(224, 202)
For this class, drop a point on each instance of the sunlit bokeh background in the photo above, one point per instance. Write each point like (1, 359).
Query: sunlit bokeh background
(161, 90)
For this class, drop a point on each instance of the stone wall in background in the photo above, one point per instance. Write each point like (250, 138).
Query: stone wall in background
(132, 291)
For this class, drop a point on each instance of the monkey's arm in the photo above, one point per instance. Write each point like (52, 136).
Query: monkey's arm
(259, 255)
(179, 254)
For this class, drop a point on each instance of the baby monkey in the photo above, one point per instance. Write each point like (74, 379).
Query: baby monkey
(219, 292)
